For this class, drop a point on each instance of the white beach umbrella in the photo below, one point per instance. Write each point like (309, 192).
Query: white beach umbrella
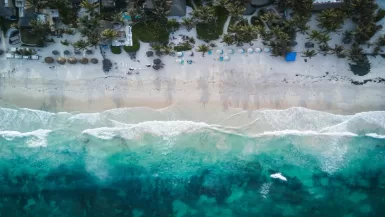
(231, 51)
(250, 50)
(220, 51)
(241, 50)
(226, 58)
(267, 50)
(179, 54)
(258, 50)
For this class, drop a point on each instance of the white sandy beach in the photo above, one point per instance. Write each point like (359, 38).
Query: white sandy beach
(247, 81)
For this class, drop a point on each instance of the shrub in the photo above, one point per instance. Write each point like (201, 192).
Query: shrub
(135, 47)
(380, 14)
(116, 50)
(65, 42)
(185, 46)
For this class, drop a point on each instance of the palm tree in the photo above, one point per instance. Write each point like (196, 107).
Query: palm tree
(235, 10)
(94, 39)
(39, 28)
(37, 4)
(221, 3)
(380, 41)
(166, 49)
(108, 35)
(309, 53)
(89, 7)
(324, 39)
(118, 17)
(81, 45)
(203, 48)
(270, 18)
(324, 48)
(228, 39)
(204, 14)
(376, 50)
(339, 50)
(188, 23)
(162, 8)
(356, 53)
(314, 35)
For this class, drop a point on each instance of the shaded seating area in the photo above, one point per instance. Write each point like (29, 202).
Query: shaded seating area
(72, 60)
(61, 60)
(55, 52)
(94, 61)
(83, 60)
(49, 60)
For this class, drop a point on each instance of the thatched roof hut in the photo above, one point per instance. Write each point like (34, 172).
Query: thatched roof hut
(83, 60)
(61, 60)
(49, 60)
(94, 61)
(72, 60)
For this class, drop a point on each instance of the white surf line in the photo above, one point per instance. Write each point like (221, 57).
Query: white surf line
(278, 176)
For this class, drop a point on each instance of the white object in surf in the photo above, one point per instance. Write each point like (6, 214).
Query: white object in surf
(278, 176)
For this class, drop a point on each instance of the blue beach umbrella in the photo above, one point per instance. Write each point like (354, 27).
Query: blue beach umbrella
(210, 52)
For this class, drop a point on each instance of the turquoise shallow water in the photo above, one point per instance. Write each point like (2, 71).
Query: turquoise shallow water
(103, 164)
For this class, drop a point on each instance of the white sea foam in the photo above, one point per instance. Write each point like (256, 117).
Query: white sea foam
(278, 176)
(304, 133)
(35, 138)
(374, 135)
(158, 128)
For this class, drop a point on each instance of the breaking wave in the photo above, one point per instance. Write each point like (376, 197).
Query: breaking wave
(160, 163)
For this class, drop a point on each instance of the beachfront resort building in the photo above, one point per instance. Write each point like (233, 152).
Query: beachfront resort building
(325, 4)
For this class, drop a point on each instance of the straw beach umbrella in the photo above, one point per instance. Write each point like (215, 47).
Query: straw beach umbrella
(77, 52)
(149, 53)
(49, 60)
(89, 52)
(83, 60)
(55, 52)
(94, 61)
(72, 60)
(66, 52)
(157, 61)
(61, 60)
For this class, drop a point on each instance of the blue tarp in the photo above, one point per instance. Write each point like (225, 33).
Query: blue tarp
(290, 57)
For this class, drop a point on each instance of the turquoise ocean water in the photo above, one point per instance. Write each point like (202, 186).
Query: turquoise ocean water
(111, 164)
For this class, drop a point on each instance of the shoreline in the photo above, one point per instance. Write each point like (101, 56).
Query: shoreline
(108, 93)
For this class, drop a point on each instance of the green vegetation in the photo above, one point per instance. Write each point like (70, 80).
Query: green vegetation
(135, 47)
(27, 37)
(151, 31)
(5, 24)
(203, 49)
(185, 46)
(116, 50)
(212, 20)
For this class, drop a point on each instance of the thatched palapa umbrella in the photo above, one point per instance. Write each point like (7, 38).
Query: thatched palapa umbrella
(55, 52)
(72, 60)
(77, 52)
(83, 60)
(61, 60)
(1, 52)
(149, 53)
(106, 65)
(94, 61)
(89, 52)
(157, 61)
(66, 52)
(49, 60)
